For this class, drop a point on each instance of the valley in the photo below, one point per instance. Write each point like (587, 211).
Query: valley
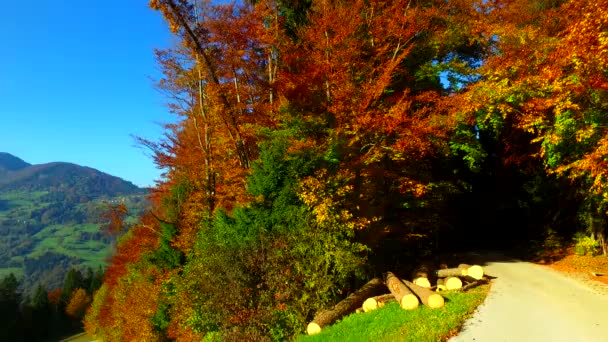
(51, 218)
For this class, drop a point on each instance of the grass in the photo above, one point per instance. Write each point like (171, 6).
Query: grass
(17, 209)
(19, 204)
(391, 323)
(17, 271)
(64, 239)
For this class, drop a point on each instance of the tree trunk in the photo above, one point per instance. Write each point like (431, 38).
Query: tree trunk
(429, 298)
(449, 283)
(346, 306)
(462, 270)
(402, 294)
(597, 231)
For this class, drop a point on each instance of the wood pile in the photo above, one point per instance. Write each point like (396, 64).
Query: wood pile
(408, 294)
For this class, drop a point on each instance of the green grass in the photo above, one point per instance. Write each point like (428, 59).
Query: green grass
(17, 271)
(23, 197)
(391, 323)
(64, 239)
(19, 202)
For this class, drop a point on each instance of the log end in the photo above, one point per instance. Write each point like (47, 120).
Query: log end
(313, 328)
(475, 272)
(422, 281)
(370, 304)
(453, 283)
(435, 301)
(409, 302)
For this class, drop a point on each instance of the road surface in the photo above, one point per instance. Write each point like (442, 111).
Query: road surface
(529, 302)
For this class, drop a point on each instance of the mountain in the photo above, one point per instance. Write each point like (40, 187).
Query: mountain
(51, 217)
(9, 162)
(19, 175)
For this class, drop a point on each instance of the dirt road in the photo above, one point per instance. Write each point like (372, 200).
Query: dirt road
(529, 302)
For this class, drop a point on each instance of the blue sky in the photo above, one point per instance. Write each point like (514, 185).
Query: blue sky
(75, 83)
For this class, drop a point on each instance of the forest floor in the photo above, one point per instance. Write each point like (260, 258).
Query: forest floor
(531, 302)
(586, 268)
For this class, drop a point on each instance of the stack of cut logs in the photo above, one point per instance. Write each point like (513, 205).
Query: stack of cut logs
(407, 294)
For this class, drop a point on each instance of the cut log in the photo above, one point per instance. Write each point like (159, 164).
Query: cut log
(429, 298)
(422, 271)
(422, 281)
(463, 270)
(384, 298)
(449, 283)
(370, 304)
(475, 271)
(441, 285)
(374, 303)
(344, 307)
(402, 294)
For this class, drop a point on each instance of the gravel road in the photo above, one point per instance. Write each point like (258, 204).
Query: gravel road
(529, 302)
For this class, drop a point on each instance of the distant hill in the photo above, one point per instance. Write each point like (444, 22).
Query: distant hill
(19, 175)
(8, 162)
(52, 213)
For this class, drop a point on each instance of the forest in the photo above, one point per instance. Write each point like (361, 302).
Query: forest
(318, 144)
(44, 315)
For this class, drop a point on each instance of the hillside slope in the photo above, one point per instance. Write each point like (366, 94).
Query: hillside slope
(8, 162)
(50, 217)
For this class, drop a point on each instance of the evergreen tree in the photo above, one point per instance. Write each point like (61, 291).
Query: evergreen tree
(73, 280)
(40, 314)
(9, 308)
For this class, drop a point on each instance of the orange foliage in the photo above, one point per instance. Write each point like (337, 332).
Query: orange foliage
(55, 296)
(549, 84)
(115, 214)
(127, 311)
(143, 237)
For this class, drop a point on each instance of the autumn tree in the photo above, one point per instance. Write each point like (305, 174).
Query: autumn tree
(77, 304)
(542, 95)
(318, 142)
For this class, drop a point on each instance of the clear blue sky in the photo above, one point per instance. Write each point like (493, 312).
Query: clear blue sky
(75, 83)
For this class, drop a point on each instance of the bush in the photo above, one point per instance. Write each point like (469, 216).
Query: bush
(585, 245)
(266, 267)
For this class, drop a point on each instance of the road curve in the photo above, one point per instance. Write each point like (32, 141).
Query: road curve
(529, 302)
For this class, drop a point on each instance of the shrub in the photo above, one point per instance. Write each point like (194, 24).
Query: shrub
(266, 267)
(585, 245)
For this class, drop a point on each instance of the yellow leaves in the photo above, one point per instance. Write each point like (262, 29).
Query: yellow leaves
(79, 301)
(585, 134)
(327, 195)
